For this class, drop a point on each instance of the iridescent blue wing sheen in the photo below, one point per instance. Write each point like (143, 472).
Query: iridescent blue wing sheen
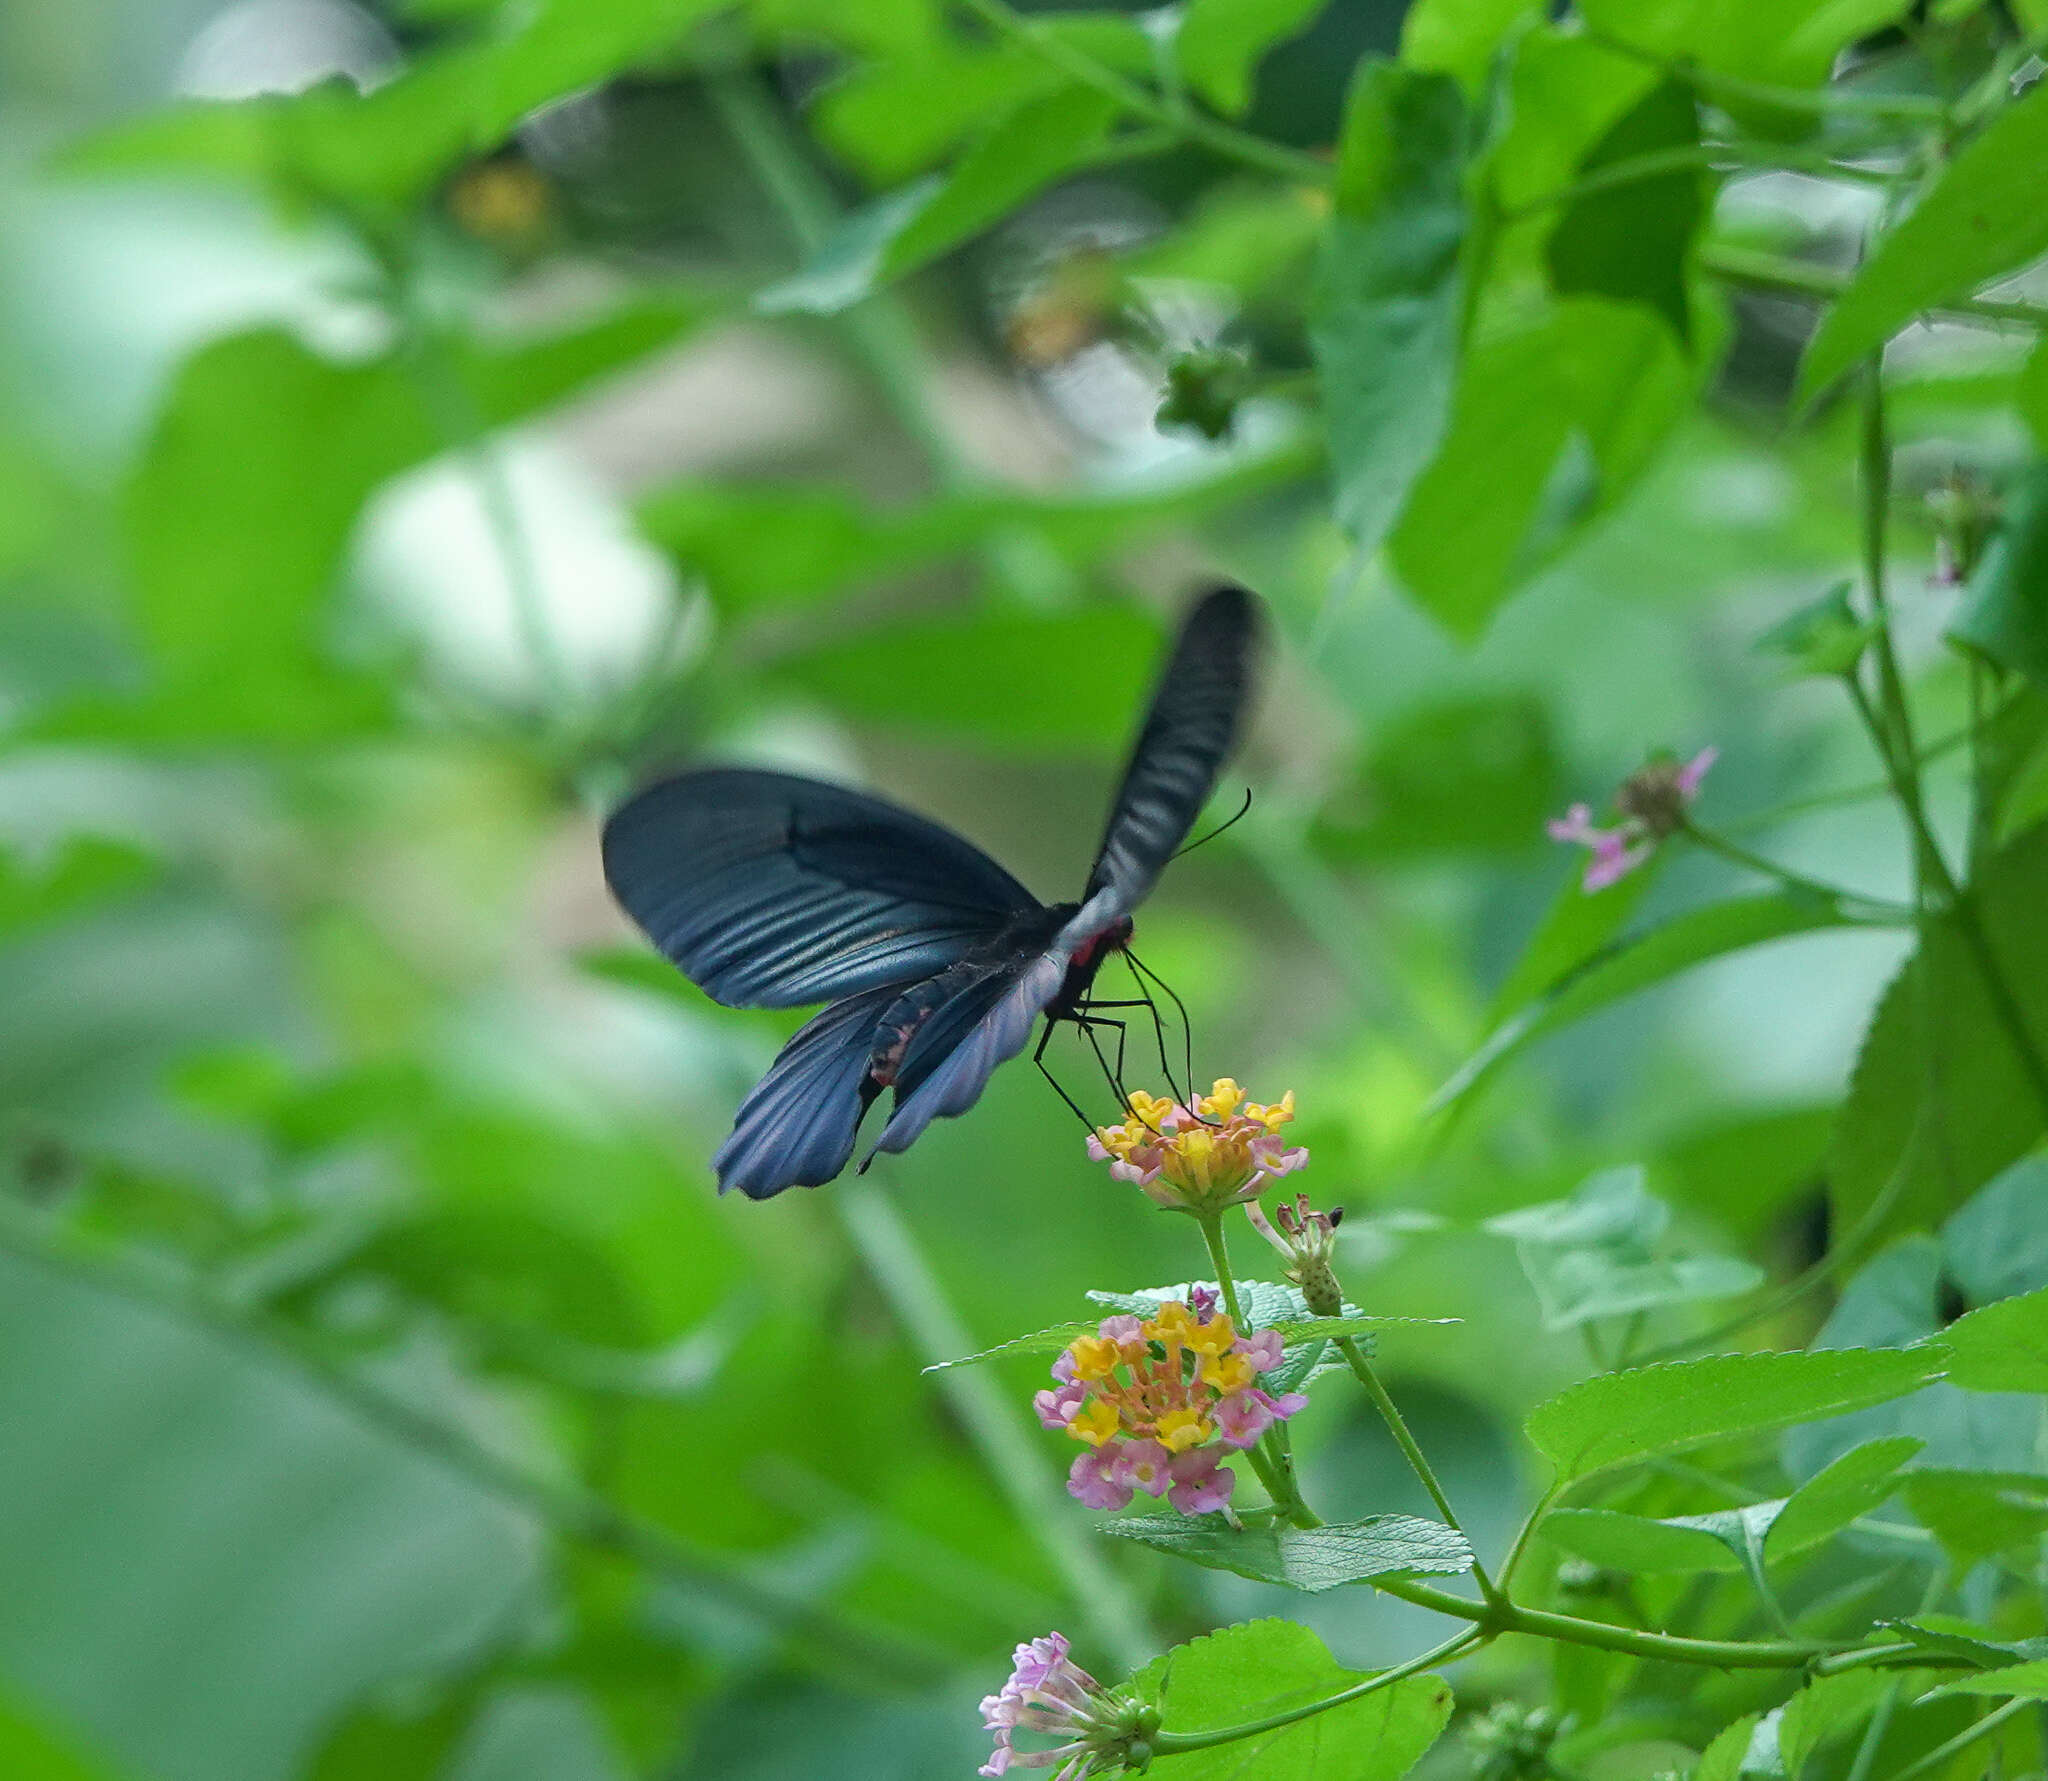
(770, 891)
(796, 1128)
(985, 1024)
(1190, 729)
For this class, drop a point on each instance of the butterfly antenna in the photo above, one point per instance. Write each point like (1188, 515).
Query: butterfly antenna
(1243, 810)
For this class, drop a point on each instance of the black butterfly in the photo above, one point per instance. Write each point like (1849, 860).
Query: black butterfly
(770, 891)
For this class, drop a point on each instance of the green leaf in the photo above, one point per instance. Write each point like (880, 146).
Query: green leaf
(1041, 142)
(1386, 309)
(1466, 774)
(2031, 397)
(32, 1750)
(1722, 1760)
(1220, 43)
(1844, 1491)
(1898, 1298)
(1939, 1102)
(762, 545)
(1636, 1544)
(1620, 1417)
(913, 106)
(385, 147)
(1254, 1671)
(1461, 37)
(1982, 217)
(1737, 1539)
(1266, 1303)
(1578, 927)
(1069, 679)
(1633, 242)
(1825, 636)
(1313, 1558)
(1046, 1341)
(1997, 1245)
(251, 485)
(2002, 1347)
(1593, 1255)
(1953, 1637)
(1977, 1514)
(2004, 613)
(1555, 418)
(2027, 1681)
(1791, 42)
(1626, 967)
(1822, 1710)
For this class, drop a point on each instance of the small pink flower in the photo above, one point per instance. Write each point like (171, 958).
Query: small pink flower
(1050, 1696)
(1146, 1466)
(1126, 1332)
(1096, 1478)
(1652, 802)
(1056, 1408)
(1063, 1367)
(1202, 1301)
(1264, 1350)
(1201, 1481)
(1244, 1416)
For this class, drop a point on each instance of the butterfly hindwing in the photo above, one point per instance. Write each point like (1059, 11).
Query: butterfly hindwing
(796, 1127)
(1189, 730)
(770, 891)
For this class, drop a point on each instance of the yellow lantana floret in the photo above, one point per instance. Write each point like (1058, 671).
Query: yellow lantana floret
(1095, 1422)
(1178, 1430)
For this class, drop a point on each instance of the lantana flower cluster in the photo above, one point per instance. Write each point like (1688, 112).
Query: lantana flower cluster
(1220, 1151)
(1157, 1402)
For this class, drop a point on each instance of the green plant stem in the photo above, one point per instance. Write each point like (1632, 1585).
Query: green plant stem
(1735, 853)
(1800, 278)
(1169, 1743)
(879, 331)
(1140, 101)
(891, 1254)
(1891, 730)
(1411, 1449)
(1270, 1459)
(569, 1509)
(1502, 1616)
(1939, 1757)
(460, 419)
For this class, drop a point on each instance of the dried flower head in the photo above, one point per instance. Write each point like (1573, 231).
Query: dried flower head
(1098, 1730)
(1221, 1151)
(1652, 802)
(1157, 1402)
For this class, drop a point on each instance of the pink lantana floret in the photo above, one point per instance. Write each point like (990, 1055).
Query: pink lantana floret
(1652, 803)
(1202, 1483)
(1096, 1478)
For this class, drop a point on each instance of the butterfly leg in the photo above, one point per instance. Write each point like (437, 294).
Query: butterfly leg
(1038, 1058)
(1146, 975)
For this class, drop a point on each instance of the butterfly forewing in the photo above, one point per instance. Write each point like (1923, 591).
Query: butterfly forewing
(770, 891)
(1188, 732)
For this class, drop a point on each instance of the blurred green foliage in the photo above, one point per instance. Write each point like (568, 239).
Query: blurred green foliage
(420, 419)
